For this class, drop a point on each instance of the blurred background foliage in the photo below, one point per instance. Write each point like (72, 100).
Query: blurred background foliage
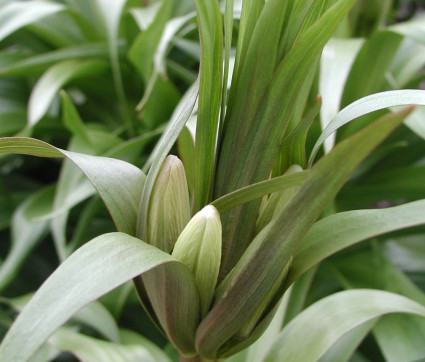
(104, 79)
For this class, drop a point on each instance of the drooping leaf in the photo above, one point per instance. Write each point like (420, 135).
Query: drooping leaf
(109, 260)
(18, 14)
(118, 183)
(143, 50)
(322, 324)
(54, 79)
(40, 62)
(367, 105)
(90, 349)
(337, 58)
(347, 228)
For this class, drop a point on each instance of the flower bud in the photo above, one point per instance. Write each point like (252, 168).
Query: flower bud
(169, 207)
(199, 247)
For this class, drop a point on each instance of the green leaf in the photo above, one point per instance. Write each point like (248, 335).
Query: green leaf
(72, 120)
(400, 339)
(376, 56)
(209, 103)
(111, 13)
(337, 58)
(90, 349)
(164, 145)
(26, 232)
(344, 348)
(18, 14)
(130, 337)
(40, 62)
(343, 312)
(347, 228)
(54, 79)
(367, 105)
(143, 49)
(118, 183)
(109, 260)
(396, 184)
(253, 278)
(254, 152)
(257, 190)
(407, 252)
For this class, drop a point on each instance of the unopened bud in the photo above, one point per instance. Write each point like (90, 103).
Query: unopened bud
(169, 207)
(199, 247)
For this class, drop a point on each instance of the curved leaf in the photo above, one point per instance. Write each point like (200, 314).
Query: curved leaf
(164, 145)
(93, 270)
(336, 232)
(40, 62)
(89, 349)
(367, 105)
(111, 13)
(257, 190)
(26, 232)
(337, 58)
(118, 183)
(54, 79)
(18, 14)
(317, 328)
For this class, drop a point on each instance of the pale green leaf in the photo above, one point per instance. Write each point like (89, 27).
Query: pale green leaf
(367, 105)
(347, 228)
(344, 348)
(89, 349)
(337, 58)
(40, 62)
(55, 78)
(109, 260)
(322, 324)
(118, 183)
(18, 14)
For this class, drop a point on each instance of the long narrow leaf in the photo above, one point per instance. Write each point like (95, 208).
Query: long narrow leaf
(316, 329)
(255, 191)
(95, 269)
(54, 79)
(18, 14)
(367, 105)
(336, 232)
(210, 91)
(118, 183)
